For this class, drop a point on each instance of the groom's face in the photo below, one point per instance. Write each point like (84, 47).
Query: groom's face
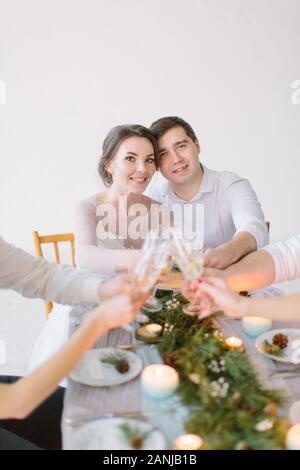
(178, 156)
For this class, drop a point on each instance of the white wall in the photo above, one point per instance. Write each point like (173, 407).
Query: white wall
(74, 68)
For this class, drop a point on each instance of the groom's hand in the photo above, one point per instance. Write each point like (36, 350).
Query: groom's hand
(220, 257)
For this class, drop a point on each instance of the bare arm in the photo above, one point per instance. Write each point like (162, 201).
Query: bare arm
(90, 256)
(20, 399)
(284, 308)
(96, 259)
(254, 271)
(248, 218)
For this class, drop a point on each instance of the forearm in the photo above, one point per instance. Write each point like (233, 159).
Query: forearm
(230, 252)
(35, 277)
(254, 271)
(241, 245)
(96, 259)
(284, 308)
(18, 400)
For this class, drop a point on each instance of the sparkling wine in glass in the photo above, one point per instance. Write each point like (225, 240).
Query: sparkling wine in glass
(190, 261)
(153, 261)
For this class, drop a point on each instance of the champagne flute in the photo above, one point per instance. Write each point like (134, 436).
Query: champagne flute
(190, 262)
(153, 261)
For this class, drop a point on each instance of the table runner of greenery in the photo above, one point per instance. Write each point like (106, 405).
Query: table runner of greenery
(228, 407)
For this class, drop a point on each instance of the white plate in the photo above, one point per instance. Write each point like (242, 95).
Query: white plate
(293, 334)
(93, 372)
(105, 434)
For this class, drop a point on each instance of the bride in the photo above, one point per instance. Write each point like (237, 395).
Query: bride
(110, 226)
(121, 216)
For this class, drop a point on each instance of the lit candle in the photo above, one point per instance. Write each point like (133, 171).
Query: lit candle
(153, 329)
(235, 343)
(256, 326)
(152, 305)
(159, 381)
(188, 442)
(293, 438)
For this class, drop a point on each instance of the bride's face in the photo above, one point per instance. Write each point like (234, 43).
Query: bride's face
(133, 165)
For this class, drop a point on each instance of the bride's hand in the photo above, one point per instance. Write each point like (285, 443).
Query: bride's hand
(189, 290)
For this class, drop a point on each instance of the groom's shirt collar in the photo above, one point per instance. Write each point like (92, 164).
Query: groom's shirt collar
(207, 185)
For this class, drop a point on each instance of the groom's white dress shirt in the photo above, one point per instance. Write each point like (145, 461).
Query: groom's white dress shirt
(35, 277)
(230, 206)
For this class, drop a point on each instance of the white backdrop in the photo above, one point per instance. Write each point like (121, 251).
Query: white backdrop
(75, 68)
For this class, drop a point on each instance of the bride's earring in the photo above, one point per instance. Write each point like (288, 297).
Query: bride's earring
(110, 172)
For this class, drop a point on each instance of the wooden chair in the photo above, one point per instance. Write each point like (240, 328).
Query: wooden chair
(55, 240)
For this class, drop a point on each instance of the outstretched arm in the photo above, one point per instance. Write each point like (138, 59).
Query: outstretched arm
(20, 399)
(35, 277)
(230, 252)
(284, 308)
(274, 264)
(251, 230)
(253, 272)
(90, 256)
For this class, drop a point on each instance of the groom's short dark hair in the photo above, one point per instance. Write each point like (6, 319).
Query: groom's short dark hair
(162, 125)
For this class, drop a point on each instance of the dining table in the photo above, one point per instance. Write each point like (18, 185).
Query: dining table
(167, 415)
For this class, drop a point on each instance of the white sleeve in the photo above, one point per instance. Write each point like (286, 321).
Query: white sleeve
(246, 211)
(286, 256)
(89, 256)
(35, 277)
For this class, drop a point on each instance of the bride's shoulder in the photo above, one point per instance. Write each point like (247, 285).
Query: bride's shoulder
(89, 204)
(100, 198)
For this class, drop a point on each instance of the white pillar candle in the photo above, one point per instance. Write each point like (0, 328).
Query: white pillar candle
(159, 381)
(188, 442)
(293, 438)
(153, 329)
(256, 326)
(234, 343)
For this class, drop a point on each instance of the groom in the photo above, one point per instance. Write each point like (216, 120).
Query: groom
(234, 223)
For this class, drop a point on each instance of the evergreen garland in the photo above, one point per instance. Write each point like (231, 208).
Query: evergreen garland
(228, 407)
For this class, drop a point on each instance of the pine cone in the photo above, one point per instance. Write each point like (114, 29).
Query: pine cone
(171, 359)
(136, 442)
(122, 366)
(280, 340)
(271, 409)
